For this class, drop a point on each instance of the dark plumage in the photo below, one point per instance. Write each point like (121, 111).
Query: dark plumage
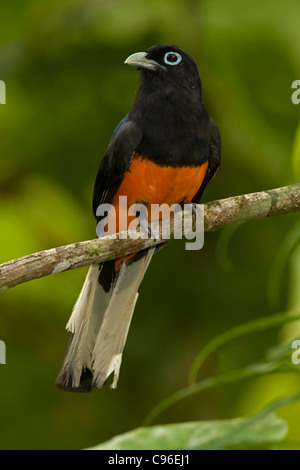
(165, 150)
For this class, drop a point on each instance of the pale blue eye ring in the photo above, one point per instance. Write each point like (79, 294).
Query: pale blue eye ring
(172, 58)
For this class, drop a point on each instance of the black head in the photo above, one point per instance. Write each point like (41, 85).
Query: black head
(168, 107)
(167, 64)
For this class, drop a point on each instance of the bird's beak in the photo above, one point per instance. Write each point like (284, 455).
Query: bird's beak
(139, 59)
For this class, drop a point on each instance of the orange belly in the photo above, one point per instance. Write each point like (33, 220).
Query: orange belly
(149, 183)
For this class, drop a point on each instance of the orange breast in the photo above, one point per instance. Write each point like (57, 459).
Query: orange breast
(149, 183)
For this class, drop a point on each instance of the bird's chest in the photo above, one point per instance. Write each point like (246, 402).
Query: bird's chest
(150, 183)
(171, 138)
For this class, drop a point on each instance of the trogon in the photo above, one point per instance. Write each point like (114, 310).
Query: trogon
(165, 150)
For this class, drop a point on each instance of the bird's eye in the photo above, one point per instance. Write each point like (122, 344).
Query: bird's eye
(172, 58)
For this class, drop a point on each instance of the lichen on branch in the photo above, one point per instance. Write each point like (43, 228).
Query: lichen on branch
(217, 214)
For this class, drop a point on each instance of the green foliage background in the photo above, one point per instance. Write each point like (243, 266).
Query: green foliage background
(67, 88)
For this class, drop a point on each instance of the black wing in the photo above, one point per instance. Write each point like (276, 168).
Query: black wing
(116, 163)
(214, 160)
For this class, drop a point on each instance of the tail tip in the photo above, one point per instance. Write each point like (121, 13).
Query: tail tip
(85, 386)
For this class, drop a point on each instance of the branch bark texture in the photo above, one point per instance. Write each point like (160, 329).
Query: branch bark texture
(217, 214)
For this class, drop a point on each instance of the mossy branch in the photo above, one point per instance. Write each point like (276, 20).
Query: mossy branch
(217, 214)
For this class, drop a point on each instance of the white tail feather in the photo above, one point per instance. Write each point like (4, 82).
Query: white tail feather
(107, 353)
(84, 300)
(100, 322)
(85, 322)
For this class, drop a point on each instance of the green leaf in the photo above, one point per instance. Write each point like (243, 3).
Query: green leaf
(242, 433)
(260, 324)
(280, 261)
(236, 376)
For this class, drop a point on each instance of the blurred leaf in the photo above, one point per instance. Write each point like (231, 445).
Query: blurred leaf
(260, 324)
(290, 332)
(281, 351)
(279, 264)
(246, 373)
(203, 435)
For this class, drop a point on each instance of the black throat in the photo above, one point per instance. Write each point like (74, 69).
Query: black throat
(172, 119)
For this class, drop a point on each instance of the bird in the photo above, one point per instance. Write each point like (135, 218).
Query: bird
(166, 150)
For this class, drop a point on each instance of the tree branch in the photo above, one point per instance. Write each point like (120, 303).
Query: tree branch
(217, 214)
